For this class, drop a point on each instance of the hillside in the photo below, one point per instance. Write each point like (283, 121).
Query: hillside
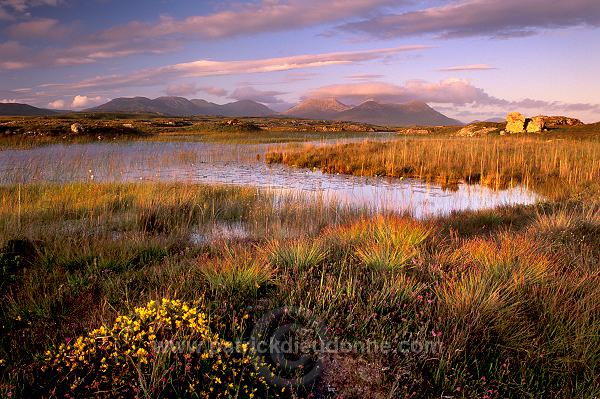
(16, 109)
(318, 108)
(407, 114)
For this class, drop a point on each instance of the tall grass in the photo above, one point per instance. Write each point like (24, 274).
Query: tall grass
(511, 294)
(552, 166)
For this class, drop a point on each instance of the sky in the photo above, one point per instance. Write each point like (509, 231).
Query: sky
(469, 59)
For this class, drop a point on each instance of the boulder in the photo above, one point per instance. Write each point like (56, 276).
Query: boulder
(535, 124)
(515, 123)
(77, 128)
(475, 131)
(556, 121)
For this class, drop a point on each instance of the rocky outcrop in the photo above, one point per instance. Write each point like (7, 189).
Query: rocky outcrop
(476, 130)
(535, 124)
(557, 121)
(515, 123)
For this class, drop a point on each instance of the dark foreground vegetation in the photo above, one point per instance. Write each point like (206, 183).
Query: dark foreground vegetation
(34, 131)
(506, 300)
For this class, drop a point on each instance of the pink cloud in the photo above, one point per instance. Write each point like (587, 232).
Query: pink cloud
(190, 89)
(244, 18)
(168, 33)
(364, 76)
(204, 68)
(43, 28)
(57, 104)
(471, 67)
(454, 91)
(261, 96)
(80, 101)
(498, 19)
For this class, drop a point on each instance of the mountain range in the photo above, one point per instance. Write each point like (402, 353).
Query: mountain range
(407, 114)
(179, 106)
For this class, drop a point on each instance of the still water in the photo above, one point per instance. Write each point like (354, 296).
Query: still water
(243, 165)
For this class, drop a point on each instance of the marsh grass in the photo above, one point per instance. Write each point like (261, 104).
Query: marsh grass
(511, 294)
(237, 274)
(299, 255)
(549, 166)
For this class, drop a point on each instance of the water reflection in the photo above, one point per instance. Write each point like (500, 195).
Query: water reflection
(241, 164)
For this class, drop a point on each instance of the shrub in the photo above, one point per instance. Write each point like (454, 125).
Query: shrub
(141, 356)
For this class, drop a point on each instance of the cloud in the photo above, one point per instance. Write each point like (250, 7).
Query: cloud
(248, 18)
(80, 54)
(465, 68)
(168, 34)
(492, 18)
(190, 89)
(13, 56)
(41, 28)
(57, 104)
(85, 101)
(364, 76)
(11, 9)
(453, 91)
(459, 93)
(204, 68)
(250, 93)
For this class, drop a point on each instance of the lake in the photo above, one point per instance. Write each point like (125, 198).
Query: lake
(242, 165)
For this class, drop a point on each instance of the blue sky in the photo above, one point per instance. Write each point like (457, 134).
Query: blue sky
(471, 59)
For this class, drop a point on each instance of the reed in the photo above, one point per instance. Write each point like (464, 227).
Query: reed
(551, 167)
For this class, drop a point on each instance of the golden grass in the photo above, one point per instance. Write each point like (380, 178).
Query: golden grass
(550, 167)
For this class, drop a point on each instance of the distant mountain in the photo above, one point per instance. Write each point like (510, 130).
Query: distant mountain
(179, 106)
(408, 114)
(245, 108)
(496, 120)
(318, 108)
(206, 108)
(176, 106)
(16, 109)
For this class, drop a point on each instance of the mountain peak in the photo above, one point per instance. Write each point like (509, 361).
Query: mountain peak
(318, 108)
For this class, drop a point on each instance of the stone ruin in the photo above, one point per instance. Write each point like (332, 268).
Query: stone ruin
(517, 123)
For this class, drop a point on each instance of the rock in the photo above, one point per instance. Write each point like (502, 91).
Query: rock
(475, 131)
(515, 123)
(128, 125)
(535, 124)
(77, 128)
(556, 121)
